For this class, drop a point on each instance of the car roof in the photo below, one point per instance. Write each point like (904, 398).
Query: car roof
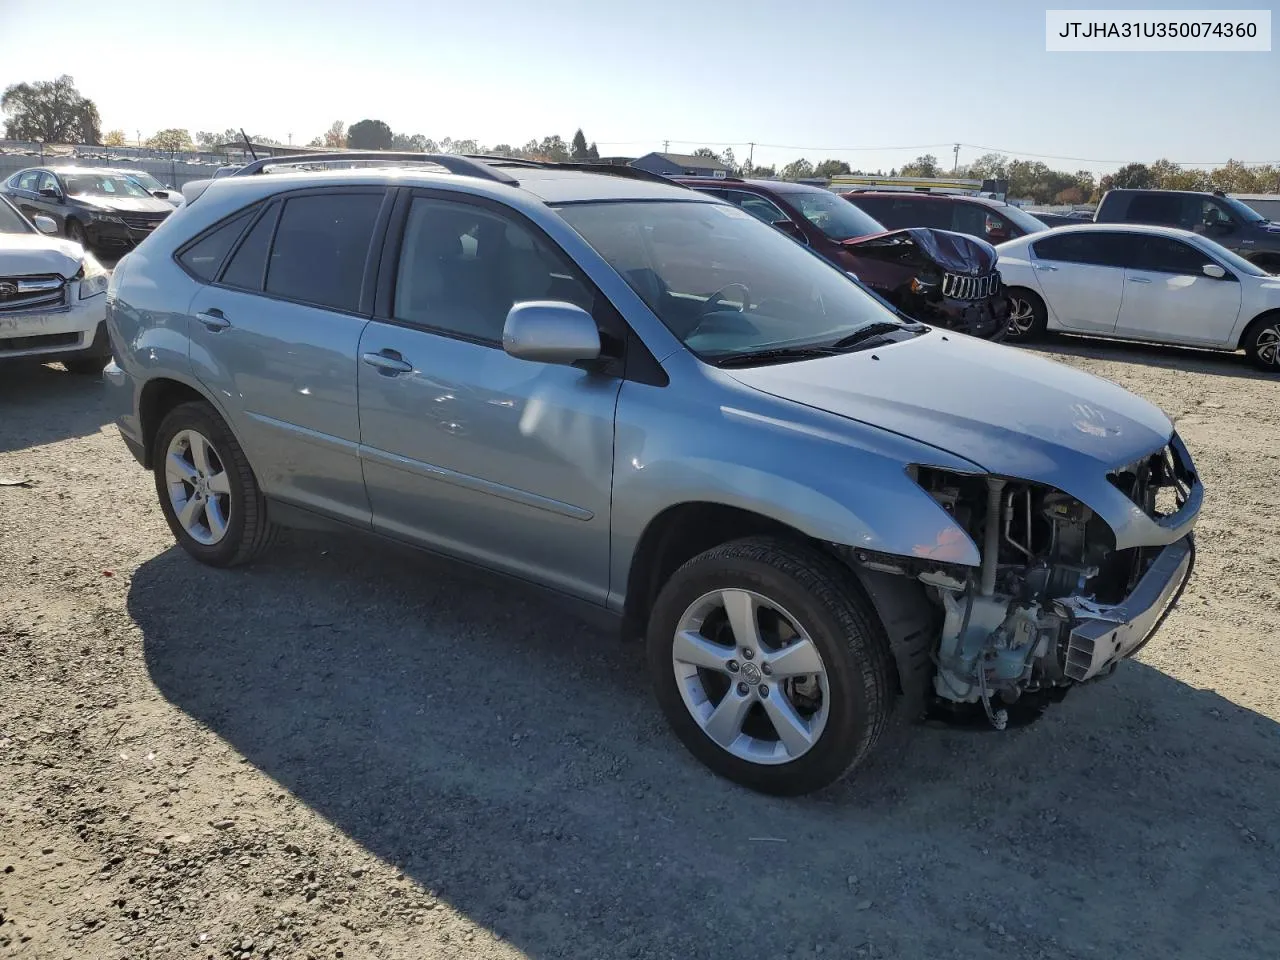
(548, 184)
(774, 186)
(985, 201)
(1090, 227)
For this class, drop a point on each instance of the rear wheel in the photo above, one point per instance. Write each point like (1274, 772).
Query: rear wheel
(1028, 317)
(769, 665)
(1262, 342)
(208, 493)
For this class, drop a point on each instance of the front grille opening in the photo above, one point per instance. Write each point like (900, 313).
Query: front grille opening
(31, 293)
(960, 287)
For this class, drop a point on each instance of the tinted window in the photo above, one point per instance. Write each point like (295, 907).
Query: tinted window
(877, 207)
(1096, 249)
(11, 221)
(834, 216)
(320, 248)
(977, 220)
(1167, 255)
(28, 181)
(1168, 209)
(462, 267)
(249, 262)
(205, 256)
(919, 212)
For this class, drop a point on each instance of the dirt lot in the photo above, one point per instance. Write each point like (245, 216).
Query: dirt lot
(348, 751)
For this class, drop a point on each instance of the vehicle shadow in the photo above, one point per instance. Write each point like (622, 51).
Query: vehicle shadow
(42, 404)
(1164, 356)
(512, 761)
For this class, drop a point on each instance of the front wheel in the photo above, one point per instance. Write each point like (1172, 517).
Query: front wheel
(1262, 343)
(770, 666)
(208, 493)
(75, 233)
(1028, 317)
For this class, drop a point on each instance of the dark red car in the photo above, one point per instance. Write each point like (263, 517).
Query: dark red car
(936, 276)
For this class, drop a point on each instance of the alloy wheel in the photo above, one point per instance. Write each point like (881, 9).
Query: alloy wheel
(1021, 317)
(198, 485)
(751, 676)
(1268, 345)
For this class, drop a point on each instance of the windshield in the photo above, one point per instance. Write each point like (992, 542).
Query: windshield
(147, 180)
(1233, 260)
(11, 221)
(1243, 210)
(1025, 221)
(835, 216)
(725, 283)
(102, 185)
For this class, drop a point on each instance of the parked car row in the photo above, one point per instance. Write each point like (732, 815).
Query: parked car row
(655, 403)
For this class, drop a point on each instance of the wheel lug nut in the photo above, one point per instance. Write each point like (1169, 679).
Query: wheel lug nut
(733, 666)
(743, 688)
(766, 669)
(748, 653)
(764, 689)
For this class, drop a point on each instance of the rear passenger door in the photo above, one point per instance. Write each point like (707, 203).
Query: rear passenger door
(276, 332)
(467, 450)
(1081, 275)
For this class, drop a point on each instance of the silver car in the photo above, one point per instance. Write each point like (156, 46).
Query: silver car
(814, 511)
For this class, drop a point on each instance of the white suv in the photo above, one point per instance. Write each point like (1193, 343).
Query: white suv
(52, 296)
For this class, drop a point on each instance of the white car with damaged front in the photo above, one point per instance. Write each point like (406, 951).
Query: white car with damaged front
(1135, 282)
(52, 296)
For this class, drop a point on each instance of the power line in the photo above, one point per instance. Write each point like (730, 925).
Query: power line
(1054, 156)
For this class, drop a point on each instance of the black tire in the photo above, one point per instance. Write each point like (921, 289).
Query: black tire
(249, 530)
(74, 231)
(1261, 342)
(826, 600)
(86, 366)
(1019, 332)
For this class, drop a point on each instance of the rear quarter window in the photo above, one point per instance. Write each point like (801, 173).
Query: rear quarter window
(203, 258)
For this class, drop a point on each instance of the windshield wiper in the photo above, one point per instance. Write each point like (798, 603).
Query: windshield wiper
(871, 331)
(773, 355)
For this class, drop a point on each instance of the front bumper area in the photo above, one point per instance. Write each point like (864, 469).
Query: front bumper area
(986, 319)
(1102, 635)
(78, 328)
(108, 233)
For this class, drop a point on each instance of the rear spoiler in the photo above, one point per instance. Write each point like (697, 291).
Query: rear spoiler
(192, 190)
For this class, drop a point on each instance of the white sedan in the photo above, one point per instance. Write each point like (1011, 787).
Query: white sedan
(1141, 283)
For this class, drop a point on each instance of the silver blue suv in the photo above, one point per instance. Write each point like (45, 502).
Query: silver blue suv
(637, 396)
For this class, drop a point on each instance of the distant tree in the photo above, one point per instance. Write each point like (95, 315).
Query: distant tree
(316, 142)
(592, 152)
(830, 168)
(760, 172)
(335, 137)
(1071, 195)
(51, 111)
(797, 169)
(369, 135)
(992, 166)
(578, 146)
(1133, 176)
(503, 150)
(464, 146)
(922, 166)
(705, 152)
(554, 148)
(171, 140)
(415, 143)
(113, 138)
(730, 161)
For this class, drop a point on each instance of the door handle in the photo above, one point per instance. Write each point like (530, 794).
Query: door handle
(213, 320)
(1045, 266)
(1139, 280)
(388, 361)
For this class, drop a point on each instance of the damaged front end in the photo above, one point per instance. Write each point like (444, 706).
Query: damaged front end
(1054, 603)
(938, 277)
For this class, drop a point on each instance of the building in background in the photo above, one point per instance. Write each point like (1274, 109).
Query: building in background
(681, 165)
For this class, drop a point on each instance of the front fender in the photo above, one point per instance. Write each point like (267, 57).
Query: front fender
(825, 476)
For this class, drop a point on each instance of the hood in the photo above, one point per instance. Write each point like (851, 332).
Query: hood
(953, 252)
(25, 254)
(1012, 413)
(146, 204)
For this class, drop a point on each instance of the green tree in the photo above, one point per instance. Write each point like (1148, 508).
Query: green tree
(335, 136)
(50, 111)
(369, 135)
(113, 138)
(1133, 176)
(578, 149)
(592, 152)
(797, 169)
(730, 161)
(170, 140)
(705, 152)
(923, 166)
(553, 148)
(830, 168)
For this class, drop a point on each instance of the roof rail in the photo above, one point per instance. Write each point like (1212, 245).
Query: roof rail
(588, 166)
(454, 163)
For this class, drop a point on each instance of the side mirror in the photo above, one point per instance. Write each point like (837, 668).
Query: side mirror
(160, 194)
(50, 192)
(45, 224)
(791, 229)
(1213, 270)
(549, 331)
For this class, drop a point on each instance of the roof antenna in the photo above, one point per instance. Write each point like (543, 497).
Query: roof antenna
(252, 152)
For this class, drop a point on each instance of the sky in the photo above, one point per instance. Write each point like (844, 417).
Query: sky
(871, 83)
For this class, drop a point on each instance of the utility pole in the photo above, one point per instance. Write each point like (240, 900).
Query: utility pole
(751, 156)
(290, 139)
(139, 139)
(955, 167)
(666, 146)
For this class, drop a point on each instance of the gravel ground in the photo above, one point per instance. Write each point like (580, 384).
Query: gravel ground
(352, 751)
